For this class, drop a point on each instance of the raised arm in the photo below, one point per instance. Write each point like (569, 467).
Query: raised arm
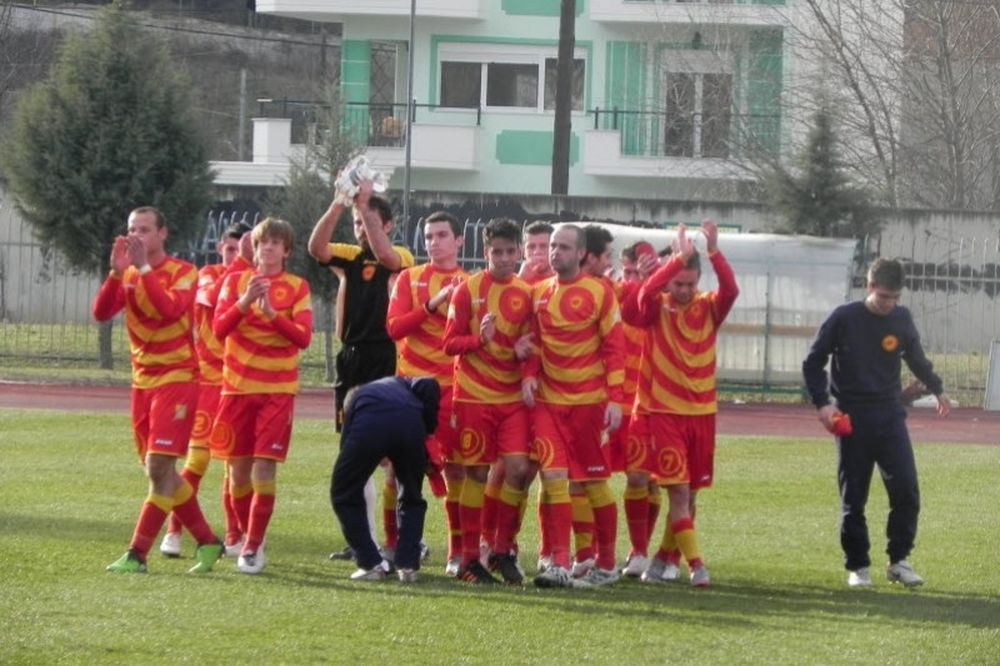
(322, 233)
(378, 239)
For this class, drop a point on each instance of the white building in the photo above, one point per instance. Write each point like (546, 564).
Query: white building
(670, 97)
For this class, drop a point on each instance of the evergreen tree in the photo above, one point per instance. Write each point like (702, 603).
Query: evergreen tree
(817, 198)
(109, 130)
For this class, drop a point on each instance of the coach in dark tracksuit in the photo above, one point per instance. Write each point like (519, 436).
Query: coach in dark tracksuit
(387, 418)
(867, 340)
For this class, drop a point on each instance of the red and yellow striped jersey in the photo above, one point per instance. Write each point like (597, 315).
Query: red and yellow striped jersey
(159, 317)
(208, 346)
(581, 348)
(634, 338)
(418, 334)
(487, 373)
(678, 369)
(261, 355)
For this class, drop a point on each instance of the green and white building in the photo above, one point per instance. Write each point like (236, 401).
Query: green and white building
(669, 96)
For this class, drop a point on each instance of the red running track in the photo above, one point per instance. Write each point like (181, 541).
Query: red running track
(963, 426)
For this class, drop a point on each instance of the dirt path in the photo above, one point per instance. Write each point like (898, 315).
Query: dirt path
(963, 426)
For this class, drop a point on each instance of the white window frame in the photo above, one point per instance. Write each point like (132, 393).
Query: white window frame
(508, 54)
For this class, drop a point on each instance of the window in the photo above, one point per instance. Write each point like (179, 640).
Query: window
(511, 85)
(698, 105)
(460, 84)
(502, 76)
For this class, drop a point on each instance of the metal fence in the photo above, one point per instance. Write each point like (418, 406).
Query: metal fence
(953, 288)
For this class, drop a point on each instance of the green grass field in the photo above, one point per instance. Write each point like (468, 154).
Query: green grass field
(71, 488)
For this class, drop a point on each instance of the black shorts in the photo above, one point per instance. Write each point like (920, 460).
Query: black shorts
(357, 365)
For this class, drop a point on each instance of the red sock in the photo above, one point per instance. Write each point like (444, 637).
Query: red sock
(491, 504)
(193, 478)
(242, 497)
(261, 508)
(637, 517)
(653, 515)
(508, 517)
(559, 512)
(605, 523)
(151, 517)
(451, 509)
(187, 510)
(544, 522)
(470, 518)
(233, 531)
(389, 524)
(583, 526)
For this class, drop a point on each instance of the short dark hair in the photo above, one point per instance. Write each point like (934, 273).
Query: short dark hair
(382, 207)
(445, 216)
(887, 273)
(628, 252)
(236, 230)
(501, 227)
(596, 240)
(540, 227)
(161, 220)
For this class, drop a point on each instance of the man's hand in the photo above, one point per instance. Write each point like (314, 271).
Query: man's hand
(119, 255)
(826, 414)
(524, 346)
(612, 416)
(944, 404)
(529, 385)
(256, 289)
(136, 251)
(682, 245)
(442, 296)
(364, 195)
(646, 264)
(711, 232)
(487, 328)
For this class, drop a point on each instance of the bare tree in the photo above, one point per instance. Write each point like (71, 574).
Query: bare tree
(917, 91)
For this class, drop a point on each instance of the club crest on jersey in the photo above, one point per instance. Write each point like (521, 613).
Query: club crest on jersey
(280, 296)
(890, 343)
(180, 412)
(368, 272)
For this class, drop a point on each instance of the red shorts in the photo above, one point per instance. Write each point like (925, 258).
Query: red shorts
(162, 418)
(618, 444)
(441, 444)
(255, 425)
(488, 431)
(569, 437)
(208, 407)
(680, 448)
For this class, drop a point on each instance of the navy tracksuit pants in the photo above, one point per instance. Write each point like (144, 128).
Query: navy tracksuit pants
(879, 438)
(370, 434)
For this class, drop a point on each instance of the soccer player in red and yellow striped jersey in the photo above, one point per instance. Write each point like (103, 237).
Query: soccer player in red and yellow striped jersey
(574, 383)
(489, 313)
(209, 350)
(675, 406)
(265, 318)
(534, 268)
(157, 293)
(418, 310)
(642, 495)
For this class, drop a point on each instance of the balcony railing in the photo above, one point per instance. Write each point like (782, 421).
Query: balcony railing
(661, 134)
(365, 123)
